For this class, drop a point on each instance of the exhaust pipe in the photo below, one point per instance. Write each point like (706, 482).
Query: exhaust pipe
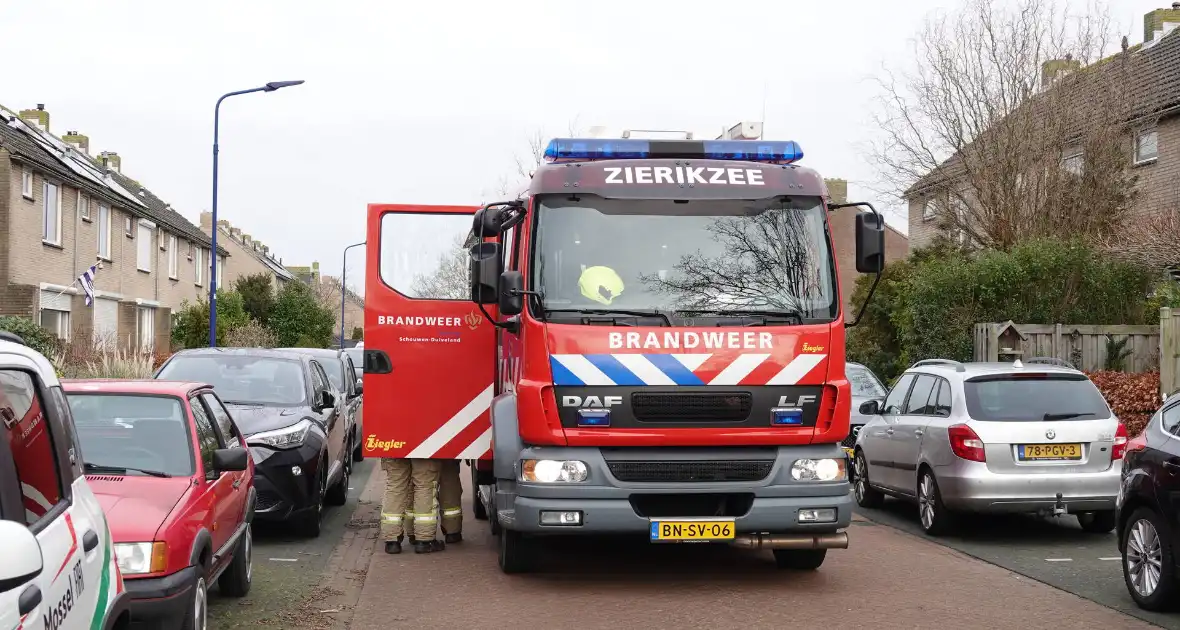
(837, 540)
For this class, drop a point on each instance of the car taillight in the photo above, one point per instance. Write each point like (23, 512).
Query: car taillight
(966, 444)
(1121, 443)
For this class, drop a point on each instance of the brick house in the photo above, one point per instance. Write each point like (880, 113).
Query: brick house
(842, 223)
(247, 256)
(61, 210)
(1153, 134)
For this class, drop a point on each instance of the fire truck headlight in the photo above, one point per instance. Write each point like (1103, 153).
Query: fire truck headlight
(819, 470)
(553, 471)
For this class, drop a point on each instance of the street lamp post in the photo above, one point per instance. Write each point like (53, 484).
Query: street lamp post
(343, 289)
(269, 87)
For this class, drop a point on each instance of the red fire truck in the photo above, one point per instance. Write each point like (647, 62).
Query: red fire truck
(650, 341)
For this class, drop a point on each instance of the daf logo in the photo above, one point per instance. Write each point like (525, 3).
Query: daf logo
(1050, 434)
(591, 402)
(806, 399)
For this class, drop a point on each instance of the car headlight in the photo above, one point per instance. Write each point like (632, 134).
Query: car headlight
(819, 470)
(286, 437)
(141, 557)
(553, 471)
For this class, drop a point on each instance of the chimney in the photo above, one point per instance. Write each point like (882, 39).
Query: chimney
(247, 239)
(111, 160)
(207, 221)
(1053, 69)
(1155, 24)
(235, 232)
(38, 117)
(266, 250)
(78, 141)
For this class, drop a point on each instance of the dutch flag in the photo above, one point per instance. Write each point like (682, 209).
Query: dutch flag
(87, 282)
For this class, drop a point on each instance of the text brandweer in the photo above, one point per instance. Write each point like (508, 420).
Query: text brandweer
(398, 320)
(709, 340)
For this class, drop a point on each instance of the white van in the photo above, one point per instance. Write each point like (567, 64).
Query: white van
(59, 570)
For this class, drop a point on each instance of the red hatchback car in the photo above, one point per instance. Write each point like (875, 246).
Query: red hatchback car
(176, 482)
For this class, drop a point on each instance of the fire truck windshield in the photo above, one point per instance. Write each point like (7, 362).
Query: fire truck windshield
(709, 256)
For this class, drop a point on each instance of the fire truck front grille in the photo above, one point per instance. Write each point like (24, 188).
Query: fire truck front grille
(691, 406)
(690, 471)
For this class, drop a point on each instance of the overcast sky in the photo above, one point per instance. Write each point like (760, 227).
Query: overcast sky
(428, 102)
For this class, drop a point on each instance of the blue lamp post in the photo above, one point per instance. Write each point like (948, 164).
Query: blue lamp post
(269, 87)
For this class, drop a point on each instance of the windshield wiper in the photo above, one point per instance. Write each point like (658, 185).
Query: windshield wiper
(607, 312)
(89, 467)
(741, 312)
(1067, 415)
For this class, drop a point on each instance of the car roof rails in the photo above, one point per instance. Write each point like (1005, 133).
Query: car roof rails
(13, 337)
(959, 367)
(1051, 361)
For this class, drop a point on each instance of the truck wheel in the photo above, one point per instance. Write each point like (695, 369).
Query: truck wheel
(477, 507)
(517, 552)
(799, 559)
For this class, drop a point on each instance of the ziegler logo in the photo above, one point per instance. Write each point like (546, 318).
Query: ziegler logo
(373, 444)
(806, 399)
(591, 402)
(472, 320)
(810, 348)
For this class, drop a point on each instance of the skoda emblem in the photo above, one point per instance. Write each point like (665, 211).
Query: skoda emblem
(1050, 434)
(856, 430)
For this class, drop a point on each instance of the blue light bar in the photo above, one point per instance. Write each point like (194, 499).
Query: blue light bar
(593, 417)
(583, 149)
(786, 415)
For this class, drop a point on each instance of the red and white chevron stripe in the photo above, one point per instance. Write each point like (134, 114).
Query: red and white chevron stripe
(461, 437)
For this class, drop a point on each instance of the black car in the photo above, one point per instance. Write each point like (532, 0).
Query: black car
(285, 405)
(342, 371)
(1148, 511)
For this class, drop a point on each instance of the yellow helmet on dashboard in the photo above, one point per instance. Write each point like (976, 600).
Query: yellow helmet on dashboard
(600, 284)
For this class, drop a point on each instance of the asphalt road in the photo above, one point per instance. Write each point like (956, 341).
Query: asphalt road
(287, 568)
(1050, 550)
(612, 583)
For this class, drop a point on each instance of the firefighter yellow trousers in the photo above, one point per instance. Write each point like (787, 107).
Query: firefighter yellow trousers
(398, 494)
(450, 497)
(425, 473)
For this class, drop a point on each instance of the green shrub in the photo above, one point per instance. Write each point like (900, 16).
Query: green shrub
(299, 320)
(190, 328)
(34, 335)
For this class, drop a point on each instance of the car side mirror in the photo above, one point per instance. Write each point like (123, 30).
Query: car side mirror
(511, 300)
(485, 266)
(360, 386)
(327, 400)
(870, 408)
(870, 242)
(22, 555)
(230, 459)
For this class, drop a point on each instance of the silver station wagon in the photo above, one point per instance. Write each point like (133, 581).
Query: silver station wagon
(956, 438)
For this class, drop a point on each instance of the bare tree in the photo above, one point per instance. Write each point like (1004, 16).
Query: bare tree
(527, 164)
(1009, 125)
(450, 279)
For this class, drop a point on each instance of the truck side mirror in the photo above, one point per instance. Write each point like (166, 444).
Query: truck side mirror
(485, 267)
(511, 293)
(487, 221)
(870, 242)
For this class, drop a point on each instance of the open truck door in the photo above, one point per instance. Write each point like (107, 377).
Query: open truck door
(429, 368)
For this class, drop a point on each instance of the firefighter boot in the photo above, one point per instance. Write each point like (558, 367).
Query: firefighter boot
(398, 494)
(450, 500)
(425, 483)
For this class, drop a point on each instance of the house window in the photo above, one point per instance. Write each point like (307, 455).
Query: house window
(1074, 164)
(173, 257)
(51, 215)
(143, 248)
(197, 266)
(26, 183)
(220, 270)
(55, 313)
(927, 210)
(129, 227)
(145, 317)
(83, 206)
(104, 232)
(1146, 146)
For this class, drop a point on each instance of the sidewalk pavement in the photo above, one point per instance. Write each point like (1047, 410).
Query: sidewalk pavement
(886, 579)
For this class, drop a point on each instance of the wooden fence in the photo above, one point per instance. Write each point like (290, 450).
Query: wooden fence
(1169, 351)
(1085, 346)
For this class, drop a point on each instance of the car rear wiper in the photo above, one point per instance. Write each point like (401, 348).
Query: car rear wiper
(89, 467)
(1067, 415)
(739, 312)
(608, 312)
